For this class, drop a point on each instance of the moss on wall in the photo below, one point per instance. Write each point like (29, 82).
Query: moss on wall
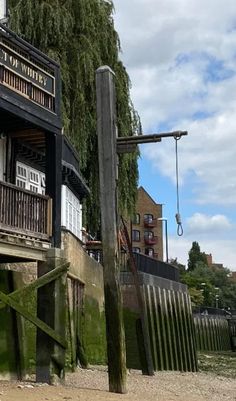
(7, 343)
(93, 331)
(26, 330)
(169, 325)
(131, 341)
(212, 333)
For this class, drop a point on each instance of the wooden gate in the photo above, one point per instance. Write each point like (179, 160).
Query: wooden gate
(15, 298)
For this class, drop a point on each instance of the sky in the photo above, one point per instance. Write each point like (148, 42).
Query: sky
(181, 59)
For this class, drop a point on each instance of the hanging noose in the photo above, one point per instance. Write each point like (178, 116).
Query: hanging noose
(180, 230)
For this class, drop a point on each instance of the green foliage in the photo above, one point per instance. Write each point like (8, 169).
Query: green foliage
(196, 296)
(196, 256)
(80, 35)
(211, 283)
(180, 266)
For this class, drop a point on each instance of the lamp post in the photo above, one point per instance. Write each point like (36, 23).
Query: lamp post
(217, 297)
(166, 236)
(203, 291)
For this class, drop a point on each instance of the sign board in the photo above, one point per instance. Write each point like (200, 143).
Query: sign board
(21, 72)
(3, 9)
(26, 69)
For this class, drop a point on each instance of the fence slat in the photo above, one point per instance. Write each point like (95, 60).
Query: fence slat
(24, 212)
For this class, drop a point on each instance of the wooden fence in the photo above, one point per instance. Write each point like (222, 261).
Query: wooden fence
(24, 212)
(212, 332)
(170, 323)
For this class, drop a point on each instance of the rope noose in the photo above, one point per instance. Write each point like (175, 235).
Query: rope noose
(180, 230)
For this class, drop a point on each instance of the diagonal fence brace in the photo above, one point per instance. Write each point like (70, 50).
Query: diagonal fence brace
(40, 282)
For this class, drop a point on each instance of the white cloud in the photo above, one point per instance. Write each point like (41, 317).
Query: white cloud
(201, 224)
(206, 158)
(177, 52)
(181, 58)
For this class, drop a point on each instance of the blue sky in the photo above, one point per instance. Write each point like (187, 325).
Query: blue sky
(181, 59)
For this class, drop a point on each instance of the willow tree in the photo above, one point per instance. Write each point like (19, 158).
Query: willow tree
(80, 35)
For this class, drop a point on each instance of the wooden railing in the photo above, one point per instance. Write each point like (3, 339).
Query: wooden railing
(25, 212)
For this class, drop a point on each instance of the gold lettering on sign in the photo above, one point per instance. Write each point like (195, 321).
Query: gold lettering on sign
(3, 55)
(31, 73)
(13, 61)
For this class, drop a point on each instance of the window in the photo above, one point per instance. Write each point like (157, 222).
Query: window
(149, 252)
(21, 175)
(148, 218)
(71, 212)
(136, 250)
(30, 178)
(148, 234)
(21, 183)
(135, 235)
(136, 219)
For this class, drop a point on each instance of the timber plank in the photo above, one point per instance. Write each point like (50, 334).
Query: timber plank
(36, 321)
(40, 282)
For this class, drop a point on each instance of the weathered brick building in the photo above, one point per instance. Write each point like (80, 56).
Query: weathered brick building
(147, 235)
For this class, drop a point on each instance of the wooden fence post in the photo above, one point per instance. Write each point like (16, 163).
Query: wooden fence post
(106, 130)
(51, 308)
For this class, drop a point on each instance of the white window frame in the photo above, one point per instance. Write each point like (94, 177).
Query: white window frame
(71, 212)
(32, 180)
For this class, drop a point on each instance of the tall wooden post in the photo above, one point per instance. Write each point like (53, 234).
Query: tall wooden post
(54, 182)
(106, 130)
(51, 308)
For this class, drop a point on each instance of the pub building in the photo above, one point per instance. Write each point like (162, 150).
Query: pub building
(41, 188)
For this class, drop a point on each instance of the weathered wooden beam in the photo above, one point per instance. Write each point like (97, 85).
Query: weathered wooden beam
(54, 182)
(106, 130)
(51, 309)
(40, 282)
(147, 368)
(126, 148)
(150, 138)
(37, 322)
(22, 251)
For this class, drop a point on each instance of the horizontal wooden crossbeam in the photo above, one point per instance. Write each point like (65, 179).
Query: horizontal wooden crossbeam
(40, 282)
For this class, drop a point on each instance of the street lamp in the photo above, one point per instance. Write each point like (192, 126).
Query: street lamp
(217, 297)
(166, 236)
(203, 291)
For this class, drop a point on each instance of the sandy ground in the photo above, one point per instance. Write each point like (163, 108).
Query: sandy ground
(92, 385)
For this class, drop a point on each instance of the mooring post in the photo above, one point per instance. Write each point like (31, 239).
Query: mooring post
(51, 308)
(106, 130)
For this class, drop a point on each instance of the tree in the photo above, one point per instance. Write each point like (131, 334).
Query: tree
(196, 256)
(206, 284)
(80, 35)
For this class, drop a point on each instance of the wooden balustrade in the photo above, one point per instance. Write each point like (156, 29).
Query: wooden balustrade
(25, 212)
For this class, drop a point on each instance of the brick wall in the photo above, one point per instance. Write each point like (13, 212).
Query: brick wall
(146, 205)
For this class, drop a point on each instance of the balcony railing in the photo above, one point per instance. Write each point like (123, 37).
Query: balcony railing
(25, 212)
(150, 240)
(150, 223)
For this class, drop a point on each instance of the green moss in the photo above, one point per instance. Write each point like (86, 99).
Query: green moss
(26, 330)
(132, 347)
(7, 343)
(93, 332)
(220, 363)
(212, 336)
